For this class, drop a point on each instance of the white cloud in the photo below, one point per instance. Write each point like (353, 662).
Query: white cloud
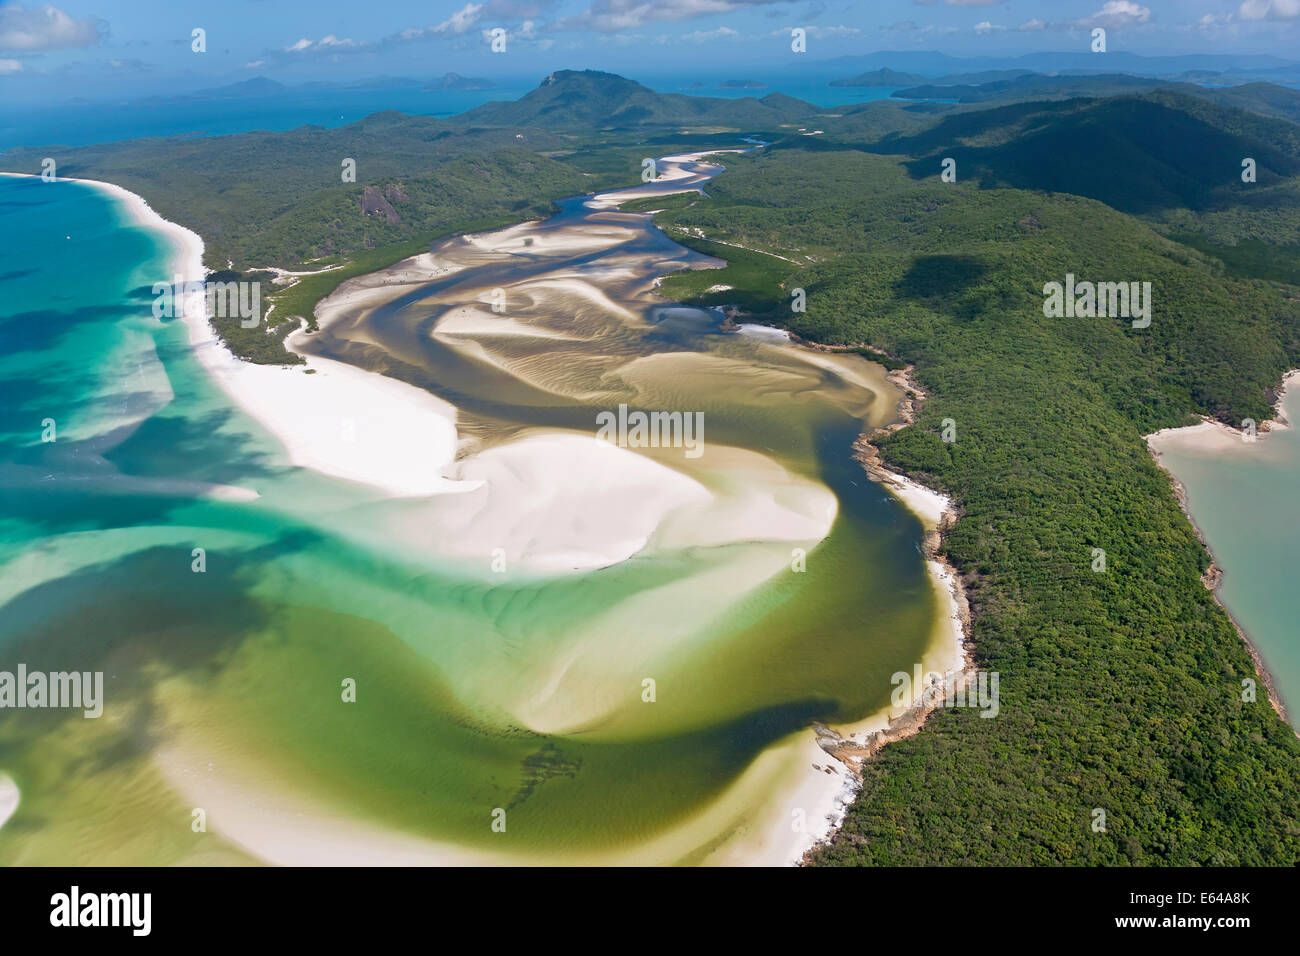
(1118, 13)
(630, 39)
(1212, 25)
(456, 31)
(45, 28)
(1269, 10)
(10, 66)
(919, 33)
(330, 42)
(611, 16)
(1034, 24)
(822, 33)
(984, 28)
(709, 36)
(461, 20)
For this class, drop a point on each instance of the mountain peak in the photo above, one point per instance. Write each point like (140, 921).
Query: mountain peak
(568, 99)
(561, 76)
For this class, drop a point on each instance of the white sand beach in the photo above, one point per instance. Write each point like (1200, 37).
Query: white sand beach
(347, 423)
(764, 332)
(334, 419)
(9, 798)
(819, 788)
(552, 501)
(670, 169)
(1213, 445)
(1212, 438)
(948, 651)
(926, 503)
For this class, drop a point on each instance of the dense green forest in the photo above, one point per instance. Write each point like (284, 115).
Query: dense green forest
(1145, 152)
(279, 199)
(1120, 690)
(1174, 160)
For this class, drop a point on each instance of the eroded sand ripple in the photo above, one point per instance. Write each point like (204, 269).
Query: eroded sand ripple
(623, 649)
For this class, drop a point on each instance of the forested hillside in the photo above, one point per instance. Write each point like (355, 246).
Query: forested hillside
(1120, 690)
(277, 198)
(1144, 153)
(591, 100)
(1174, 160)
(280, 199)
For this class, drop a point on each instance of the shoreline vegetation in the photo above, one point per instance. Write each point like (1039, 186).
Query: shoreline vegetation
(854, 750)
(1213, 436)
(260, 389)
(1119, 687)
(937, 512)
(301, 404)
(1099, 671)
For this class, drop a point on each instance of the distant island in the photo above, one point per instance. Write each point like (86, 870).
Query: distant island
(262, 87)
(454, 81)
(257, 86)
(741, 85)
(882, 77)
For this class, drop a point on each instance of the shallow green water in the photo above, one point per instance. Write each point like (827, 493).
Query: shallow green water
(1246, 501)
(223, 688)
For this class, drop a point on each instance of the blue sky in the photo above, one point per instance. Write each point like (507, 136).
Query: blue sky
(84, 47)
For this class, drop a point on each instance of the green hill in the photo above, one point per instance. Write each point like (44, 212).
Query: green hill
(590, 99)
(880, 78)
(1138, 154)
(1031, 86)
(1267, 98)
(1119, 690)
(237, 191)
(991, 89)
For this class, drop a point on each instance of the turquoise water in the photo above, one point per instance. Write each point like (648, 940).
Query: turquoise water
(223, 687)
(82, 123)
(1246, 501)
(77, 124)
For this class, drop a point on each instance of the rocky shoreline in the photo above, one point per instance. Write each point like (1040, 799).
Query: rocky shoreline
(848, 751)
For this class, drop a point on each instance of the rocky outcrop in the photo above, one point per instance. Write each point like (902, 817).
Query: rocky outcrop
(373, 203)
